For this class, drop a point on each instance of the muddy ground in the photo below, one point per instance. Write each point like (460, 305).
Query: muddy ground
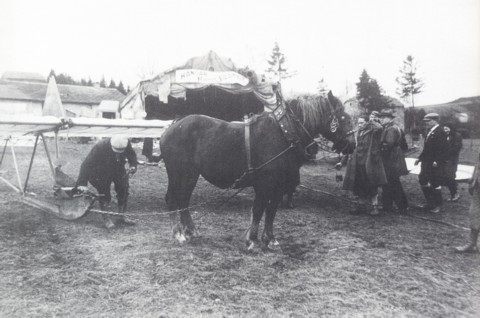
(331, 263)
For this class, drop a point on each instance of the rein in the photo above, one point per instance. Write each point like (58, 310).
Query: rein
(286, 120)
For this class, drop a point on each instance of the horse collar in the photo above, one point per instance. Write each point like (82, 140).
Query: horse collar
(286, 121)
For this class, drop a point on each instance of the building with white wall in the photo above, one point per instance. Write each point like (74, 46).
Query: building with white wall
(24, 93)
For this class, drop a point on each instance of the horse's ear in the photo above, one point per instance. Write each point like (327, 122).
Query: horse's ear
(332, 99)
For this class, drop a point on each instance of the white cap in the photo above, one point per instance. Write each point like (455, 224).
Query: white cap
(119, 143)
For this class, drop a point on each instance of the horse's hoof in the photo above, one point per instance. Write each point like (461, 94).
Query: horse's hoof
(109, 224)
(274, 245)
(180, 237)
(189, 236)
(253, 247)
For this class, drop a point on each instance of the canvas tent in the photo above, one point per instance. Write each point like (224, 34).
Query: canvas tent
(208, 84)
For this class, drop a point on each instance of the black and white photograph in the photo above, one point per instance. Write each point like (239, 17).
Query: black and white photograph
(214, 158)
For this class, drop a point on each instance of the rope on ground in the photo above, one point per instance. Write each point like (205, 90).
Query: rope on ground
(328, 193)
(437, 221)
(221, 200)
(407, 214)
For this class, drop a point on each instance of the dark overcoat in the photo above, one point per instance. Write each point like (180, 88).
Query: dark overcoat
(103, 166)
(392, 154)
(454, 145)
(367, 150)
(435, 149)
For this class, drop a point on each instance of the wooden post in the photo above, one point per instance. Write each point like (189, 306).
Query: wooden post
(49, 158)
(31, 164)
(16, 168)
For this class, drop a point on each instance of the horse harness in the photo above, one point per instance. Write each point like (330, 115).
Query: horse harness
(286, 121)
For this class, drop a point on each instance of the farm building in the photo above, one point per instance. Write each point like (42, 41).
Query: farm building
(25, 93)
(352, 107)
(209, 84)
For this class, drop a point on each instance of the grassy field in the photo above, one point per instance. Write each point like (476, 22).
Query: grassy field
(331, 263)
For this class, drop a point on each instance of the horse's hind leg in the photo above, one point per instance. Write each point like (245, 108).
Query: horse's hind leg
(257, 213)
(270, 211)
(179, 192)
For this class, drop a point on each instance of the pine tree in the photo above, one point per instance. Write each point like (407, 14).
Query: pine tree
(409, 84)
(121, 89)
(52, 73)
(89, 83)
(103, 83)
(276, 62)
(112, 84)
(64, 78)
(369, 94)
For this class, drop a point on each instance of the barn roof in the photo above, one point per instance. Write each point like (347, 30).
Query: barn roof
(24, 76)
(34, 91)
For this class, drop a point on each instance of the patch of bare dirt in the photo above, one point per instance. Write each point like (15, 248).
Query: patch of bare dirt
(330, 263)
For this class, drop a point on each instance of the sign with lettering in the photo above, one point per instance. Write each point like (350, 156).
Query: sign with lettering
(209, 77)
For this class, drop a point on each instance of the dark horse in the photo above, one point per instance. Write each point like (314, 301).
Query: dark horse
(217, 150)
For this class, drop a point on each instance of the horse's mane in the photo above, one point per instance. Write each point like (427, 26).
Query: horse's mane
(313, 110)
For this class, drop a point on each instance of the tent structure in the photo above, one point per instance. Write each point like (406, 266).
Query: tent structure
(209, 84)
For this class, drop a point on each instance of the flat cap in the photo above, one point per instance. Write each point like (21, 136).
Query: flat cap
(119, 143)
(387, 113)
(431, 116)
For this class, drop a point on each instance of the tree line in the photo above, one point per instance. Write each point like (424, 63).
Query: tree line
(369, 93)
(64, 78)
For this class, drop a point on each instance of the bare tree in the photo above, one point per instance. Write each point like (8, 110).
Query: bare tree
(409, 84)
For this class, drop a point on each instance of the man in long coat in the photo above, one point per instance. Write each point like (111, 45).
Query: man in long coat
(394, 163)
(105, 164)
(433, 158)
(365, 171)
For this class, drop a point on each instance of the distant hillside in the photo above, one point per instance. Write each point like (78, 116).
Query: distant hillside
(454, 111)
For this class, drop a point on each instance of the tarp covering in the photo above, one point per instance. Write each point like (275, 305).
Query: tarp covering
(202, 78)
(464, 172)
(14, 126)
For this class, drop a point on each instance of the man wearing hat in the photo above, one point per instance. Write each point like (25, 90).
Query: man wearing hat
(365, 172)
(106, 164)
(433, 158)
(393, 161)
(374, 116)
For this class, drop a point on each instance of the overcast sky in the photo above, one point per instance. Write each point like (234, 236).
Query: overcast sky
(334, 40)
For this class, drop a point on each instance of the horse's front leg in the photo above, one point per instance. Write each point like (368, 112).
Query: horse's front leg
(257, 213)
(190, 230)
(183, 228)
(270, 211)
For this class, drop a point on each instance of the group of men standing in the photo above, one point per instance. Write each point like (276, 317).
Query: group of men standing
(378, 161)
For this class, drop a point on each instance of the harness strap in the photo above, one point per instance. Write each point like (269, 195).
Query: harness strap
(247, 144)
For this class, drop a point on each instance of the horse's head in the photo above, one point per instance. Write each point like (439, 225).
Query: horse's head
(325, 116)
(339, 126)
